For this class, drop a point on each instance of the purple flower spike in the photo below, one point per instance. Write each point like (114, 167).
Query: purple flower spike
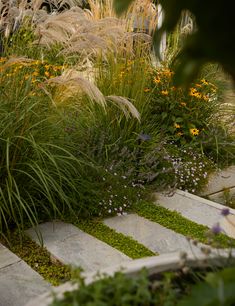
(225, 212)
(216, 229)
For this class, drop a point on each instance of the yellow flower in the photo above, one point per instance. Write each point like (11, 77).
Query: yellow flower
(164, 92)
(47, 74)
(180, 134)
(203, 81)
(205, 98)
(194, 93)
(167, 72)
(147, 90)
(194, 131)
(198, 95)
(177, 126)
(157, 80)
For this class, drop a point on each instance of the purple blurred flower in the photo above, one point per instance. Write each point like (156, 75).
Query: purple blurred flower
(216, 229)
(144, 137)
(225, 212)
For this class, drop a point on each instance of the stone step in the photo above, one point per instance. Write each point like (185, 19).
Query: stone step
(220, 180)
(152, 235)
(197, 209)
(18, 282)
(72, 246)
(219, 197)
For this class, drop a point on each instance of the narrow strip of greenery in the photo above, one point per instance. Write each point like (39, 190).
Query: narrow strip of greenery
(176, 222)
(39, 259)
(125, 244)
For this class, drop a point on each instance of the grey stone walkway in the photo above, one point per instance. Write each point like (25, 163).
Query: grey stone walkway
(18, 282)
(154, 236)
(192, 207)
(218, 181)
(199, 210)
(72, 246)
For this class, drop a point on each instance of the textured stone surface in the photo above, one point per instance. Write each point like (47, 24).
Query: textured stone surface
(72, 246)
(219, 197)
(220, 180)
(154, 236)
(228, 225)
(155, 264)
(18, 282)
(6, 257)
(192, 207)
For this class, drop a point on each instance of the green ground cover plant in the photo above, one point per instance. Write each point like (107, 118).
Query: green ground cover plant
(125, 244)
(164, 289)
(179, 224)
(39, 259)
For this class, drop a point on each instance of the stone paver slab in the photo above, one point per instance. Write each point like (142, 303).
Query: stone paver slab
(154, 236)
(192, 207)
(218, 197)
(220, 180)
(6, 257)
(19, 283)
(228, 225)
(72, 246)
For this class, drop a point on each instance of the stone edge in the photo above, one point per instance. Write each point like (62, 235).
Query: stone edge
(155, 264)
(204, 201)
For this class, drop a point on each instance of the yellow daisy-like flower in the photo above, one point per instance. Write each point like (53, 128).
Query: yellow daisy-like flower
(156, 80)
(203, 81)
(47, 74)
(177, 126)
(47, 67)
(167, 72)
(192, 91)
(194, 131)
(164, 92)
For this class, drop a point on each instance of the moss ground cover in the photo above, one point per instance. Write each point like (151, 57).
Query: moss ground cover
(123, 243)
(39, 259)
(179, 224)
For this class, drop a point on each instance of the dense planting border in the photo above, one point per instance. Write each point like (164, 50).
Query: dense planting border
(176, 222)
(39, 259)
(125, 244)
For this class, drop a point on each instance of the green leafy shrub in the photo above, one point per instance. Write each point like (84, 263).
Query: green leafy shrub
(119, 290)
(182, 114)
(217, 290)
(192, 287)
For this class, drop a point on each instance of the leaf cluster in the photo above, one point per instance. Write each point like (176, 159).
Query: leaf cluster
(211, 41)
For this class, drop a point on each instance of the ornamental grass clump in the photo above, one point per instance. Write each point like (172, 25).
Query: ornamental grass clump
(43, 173)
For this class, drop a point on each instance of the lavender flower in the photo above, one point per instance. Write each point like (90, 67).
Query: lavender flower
(216, 229)
(144, 137)
(225, 212)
